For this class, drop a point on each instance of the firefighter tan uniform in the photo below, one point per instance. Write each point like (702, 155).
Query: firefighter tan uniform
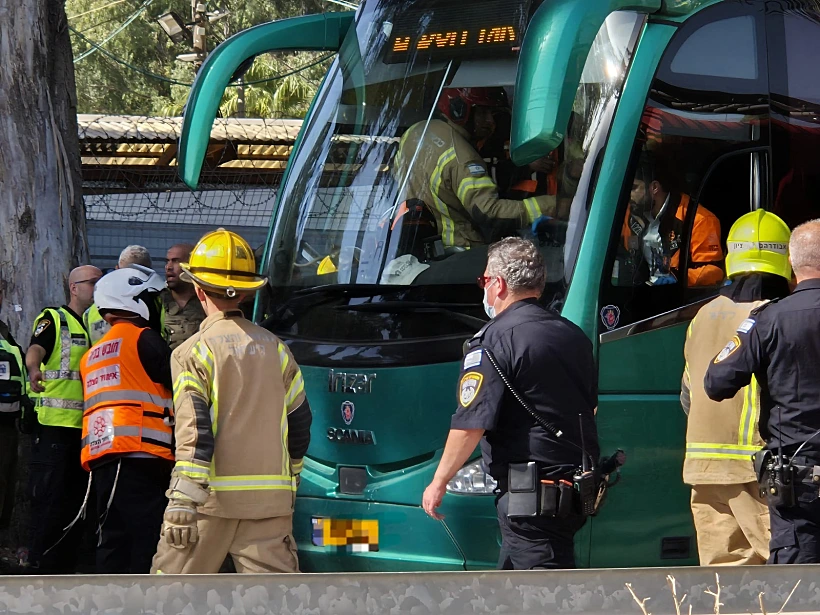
(450, 176)
(731, 518)
(236, 386)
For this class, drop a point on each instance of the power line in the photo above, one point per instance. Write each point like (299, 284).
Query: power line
(99, 8)
(153, 75)
(116, 31)
(345, 3)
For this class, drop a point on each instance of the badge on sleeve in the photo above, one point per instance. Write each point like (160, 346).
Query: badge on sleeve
(472, 359)
(41, 327)
(476, 170)
(469, 388)
(746, 325)
(728, 349)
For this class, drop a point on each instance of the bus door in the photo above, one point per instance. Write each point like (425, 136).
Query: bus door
(700, 159)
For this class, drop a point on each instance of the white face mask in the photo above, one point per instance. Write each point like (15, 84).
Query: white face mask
(488, 309)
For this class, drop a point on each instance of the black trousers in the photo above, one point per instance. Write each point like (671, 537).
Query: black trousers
(57, 485)
(8, 469)
(132, 522)
(536, 542)
(796, 529)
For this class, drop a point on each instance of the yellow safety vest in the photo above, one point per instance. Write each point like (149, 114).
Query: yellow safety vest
(61, 404)
(12, 376)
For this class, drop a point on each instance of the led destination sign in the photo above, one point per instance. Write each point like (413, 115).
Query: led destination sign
(445, 30)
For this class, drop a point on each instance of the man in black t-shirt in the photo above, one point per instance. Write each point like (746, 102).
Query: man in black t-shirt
(549, 362)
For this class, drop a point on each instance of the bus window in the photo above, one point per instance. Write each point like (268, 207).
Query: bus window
(794, 47)
(699, 163)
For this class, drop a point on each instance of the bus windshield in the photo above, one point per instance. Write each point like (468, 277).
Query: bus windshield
(403, 176)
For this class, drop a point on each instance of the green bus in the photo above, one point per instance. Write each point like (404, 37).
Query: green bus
(728, 91)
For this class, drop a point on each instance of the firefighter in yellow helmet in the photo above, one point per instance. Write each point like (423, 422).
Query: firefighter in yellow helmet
(731, 519)
(242, 428)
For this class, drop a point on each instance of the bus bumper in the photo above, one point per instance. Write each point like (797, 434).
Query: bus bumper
(408, 540)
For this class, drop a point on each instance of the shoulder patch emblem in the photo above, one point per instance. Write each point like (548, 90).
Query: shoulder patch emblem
(472, 359)
(469, 387)
(746, 325)
(41, 327)
(476, 170)
(728, 349)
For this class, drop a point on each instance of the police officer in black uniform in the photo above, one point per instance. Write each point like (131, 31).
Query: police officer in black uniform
(779, 344)
(549, 363)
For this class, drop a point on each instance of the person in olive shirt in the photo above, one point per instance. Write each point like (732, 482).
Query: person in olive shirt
(57, 482)
(183, 311)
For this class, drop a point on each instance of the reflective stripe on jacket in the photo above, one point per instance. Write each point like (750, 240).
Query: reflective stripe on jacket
(234, 385)
(722, 436)
(125, 411)
(450, 176)
(61, 404)
(12, 377)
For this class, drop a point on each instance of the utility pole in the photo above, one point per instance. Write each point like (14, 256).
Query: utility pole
(200, 32)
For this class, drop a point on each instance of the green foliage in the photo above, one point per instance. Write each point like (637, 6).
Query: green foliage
(128, 30)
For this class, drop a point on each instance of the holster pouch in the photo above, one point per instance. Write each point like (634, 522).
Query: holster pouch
(523, 490)
(760, 460)
(566, 498)
(549, 498)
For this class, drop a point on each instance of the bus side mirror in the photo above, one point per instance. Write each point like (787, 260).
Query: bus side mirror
(553, 55)
(322, 32)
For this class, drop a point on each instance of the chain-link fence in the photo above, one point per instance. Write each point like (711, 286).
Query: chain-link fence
(133, 194)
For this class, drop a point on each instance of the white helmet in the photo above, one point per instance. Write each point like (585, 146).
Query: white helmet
(119, 290)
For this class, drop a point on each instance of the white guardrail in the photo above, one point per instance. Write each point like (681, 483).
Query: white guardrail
(454, 593)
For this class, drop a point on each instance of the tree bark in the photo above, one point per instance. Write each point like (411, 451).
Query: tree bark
(42, 220)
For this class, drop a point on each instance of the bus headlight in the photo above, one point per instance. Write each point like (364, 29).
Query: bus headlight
(472, 480)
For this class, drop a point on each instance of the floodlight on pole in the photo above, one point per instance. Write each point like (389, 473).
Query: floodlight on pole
(174, 26)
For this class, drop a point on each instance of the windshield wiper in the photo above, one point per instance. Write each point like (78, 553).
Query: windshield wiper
(395, 307)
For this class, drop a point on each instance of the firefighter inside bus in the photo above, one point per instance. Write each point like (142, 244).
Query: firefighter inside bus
(452, 179)
(463, 191)
(653, 228)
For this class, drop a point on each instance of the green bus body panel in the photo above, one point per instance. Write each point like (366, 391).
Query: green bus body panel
(323, 32)
(553, 54)
(639, 411)
(407, 420)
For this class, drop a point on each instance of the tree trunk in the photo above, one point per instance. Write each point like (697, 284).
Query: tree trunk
(42, 222)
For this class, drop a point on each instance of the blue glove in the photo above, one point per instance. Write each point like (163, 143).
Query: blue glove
(664, 280)
(538, 221)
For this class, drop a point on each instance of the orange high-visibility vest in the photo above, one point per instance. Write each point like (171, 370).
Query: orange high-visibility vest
(124, 410)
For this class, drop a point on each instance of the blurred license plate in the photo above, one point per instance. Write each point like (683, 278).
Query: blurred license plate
(346, 535)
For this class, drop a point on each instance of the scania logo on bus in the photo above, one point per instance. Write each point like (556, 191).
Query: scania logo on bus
(351, 436)
(348, 382)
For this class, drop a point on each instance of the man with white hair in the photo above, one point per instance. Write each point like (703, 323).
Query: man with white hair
(535, 431)
(94, 322)
(779, 344)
